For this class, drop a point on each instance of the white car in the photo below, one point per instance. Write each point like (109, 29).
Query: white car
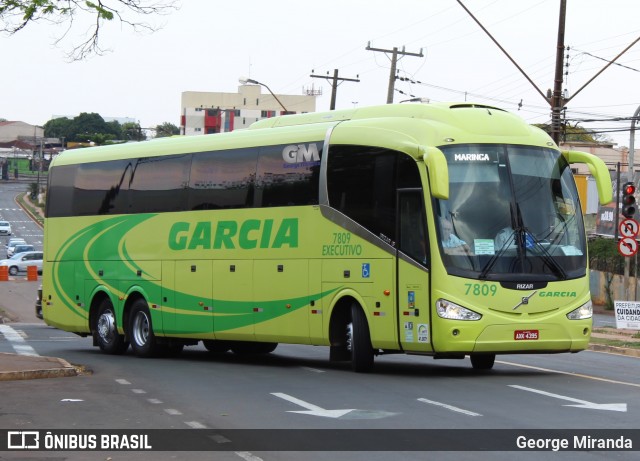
(19, 248)
(13, 241)
(5, 228)
(20, 261)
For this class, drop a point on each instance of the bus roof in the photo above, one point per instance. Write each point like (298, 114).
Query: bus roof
(425, 124)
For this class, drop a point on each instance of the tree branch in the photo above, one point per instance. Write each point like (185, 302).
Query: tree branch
(15, 15)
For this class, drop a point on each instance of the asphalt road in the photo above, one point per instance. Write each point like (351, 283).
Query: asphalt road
(296, 387)
(16, 297)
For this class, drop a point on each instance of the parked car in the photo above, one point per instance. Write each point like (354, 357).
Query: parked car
(20, 261)
(5, 228)
(39, 303)
(20, 248)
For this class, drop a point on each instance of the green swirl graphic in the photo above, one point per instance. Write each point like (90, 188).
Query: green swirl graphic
(99, 253)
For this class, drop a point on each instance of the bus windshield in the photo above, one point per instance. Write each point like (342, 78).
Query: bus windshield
(512, 214)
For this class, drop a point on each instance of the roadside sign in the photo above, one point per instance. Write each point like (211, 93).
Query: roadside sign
(628, 246)
(627, 314)
(629, 227)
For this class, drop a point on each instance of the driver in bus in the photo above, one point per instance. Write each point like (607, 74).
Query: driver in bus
(451, 242)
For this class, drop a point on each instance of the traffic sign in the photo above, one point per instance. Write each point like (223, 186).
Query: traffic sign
(627, 246)
(629, 227)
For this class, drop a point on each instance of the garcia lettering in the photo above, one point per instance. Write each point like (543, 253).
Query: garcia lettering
(228, 235)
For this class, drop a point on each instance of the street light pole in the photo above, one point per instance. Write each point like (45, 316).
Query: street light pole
(244, 81)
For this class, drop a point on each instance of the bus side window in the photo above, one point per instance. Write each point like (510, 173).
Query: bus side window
(361, 182)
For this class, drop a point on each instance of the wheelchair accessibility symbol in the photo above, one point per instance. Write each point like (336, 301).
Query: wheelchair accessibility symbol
(366, 270)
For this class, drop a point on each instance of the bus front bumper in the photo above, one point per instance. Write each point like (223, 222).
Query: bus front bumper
(518, 338)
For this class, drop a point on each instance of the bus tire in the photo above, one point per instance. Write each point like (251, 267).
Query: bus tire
(105, 330)
(143, 341)
(359, 341)
(482, 361)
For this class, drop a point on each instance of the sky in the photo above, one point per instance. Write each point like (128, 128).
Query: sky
(207, 45)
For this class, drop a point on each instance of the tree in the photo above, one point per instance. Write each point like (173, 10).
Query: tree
(576, 134)
(15, 15)
(132, 132)
(166, 129)
(86, 125)
(92, 127)
(58, 128)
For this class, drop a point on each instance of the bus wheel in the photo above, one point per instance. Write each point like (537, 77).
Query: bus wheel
(359, 341)
(143, 341)
(105, 331)
(215, 346)
(482, 361)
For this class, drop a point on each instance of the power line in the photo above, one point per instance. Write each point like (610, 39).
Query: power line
(394, 60)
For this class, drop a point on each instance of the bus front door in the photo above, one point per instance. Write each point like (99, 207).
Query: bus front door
(413, 274)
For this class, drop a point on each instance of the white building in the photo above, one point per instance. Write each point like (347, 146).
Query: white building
(208, 113)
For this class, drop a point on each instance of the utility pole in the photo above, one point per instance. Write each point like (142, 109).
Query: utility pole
(394, 60)
(557, 101)
(334, 84)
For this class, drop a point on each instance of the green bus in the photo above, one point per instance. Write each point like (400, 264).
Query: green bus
(445, 230)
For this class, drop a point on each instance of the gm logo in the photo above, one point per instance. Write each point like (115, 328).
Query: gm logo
(301, 153)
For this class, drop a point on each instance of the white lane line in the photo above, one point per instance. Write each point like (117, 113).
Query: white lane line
(450, 407)
(195, 425)
(315, 370)
(248, 456)
(17, 341)
(172, 411)
(138, 391)
(576, 375)
(124, 382)
(155, 401)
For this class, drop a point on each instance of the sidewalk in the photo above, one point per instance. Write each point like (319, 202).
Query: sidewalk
(16, 367)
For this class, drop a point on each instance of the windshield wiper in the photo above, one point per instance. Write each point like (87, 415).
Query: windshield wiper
(520, 235)
(494, 258)
(548, 259)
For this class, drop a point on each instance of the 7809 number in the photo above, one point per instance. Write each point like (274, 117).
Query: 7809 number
(480, 289)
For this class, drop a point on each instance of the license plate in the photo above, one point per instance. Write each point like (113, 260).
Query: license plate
(520, 335)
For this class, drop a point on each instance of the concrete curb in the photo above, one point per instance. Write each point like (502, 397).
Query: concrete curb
(37, 374)
(615, 350)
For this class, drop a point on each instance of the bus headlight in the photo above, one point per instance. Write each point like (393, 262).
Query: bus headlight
(448, 310)
(583, 312)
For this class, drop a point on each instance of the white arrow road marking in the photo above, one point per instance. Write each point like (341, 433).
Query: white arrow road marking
(450, 407)
(312, 409)
(578, 403)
